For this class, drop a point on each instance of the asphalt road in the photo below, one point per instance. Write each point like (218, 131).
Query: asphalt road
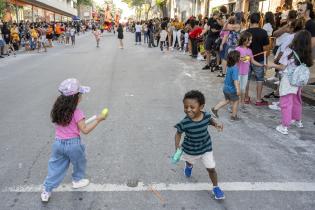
(143, 89)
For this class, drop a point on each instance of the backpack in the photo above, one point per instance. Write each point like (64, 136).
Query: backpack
(299, 76)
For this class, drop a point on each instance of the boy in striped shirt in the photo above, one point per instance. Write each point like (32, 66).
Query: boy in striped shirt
(197, 141)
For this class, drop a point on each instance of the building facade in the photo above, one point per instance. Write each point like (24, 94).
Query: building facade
(40, 10)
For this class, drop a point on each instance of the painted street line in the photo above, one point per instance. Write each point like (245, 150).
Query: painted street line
(226, 186)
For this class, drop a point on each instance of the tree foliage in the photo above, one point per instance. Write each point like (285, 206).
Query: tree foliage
(84, 2)
(3, 5)
(161, 4)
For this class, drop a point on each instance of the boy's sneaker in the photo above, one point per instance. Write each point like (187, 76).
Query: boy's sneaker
(80, 183)
(218, 193)
(282, 129)
(188, 170)
(45, 196)
(214, 112)
(298, 124)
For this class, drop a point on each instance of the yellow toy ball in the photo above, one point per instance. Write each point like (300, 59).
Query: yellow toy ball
(104, 112)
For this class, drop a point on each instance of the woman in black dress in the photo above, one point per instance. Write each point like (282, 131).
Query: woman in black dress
(120, 31)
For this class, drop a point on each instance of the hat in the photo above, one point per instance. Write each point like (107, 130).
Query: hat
(71, 87)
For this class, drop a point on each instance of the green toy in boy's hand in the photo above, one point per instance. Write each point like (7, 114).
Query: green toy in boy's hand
(176, 157)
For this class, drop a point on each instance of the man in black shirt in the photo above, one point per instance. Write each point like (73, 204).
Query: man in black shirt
(213, 29)
(260, 44)
(305, 10)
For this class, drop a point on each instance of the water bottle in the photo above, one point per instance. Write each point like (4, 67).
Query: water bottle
(176, 157)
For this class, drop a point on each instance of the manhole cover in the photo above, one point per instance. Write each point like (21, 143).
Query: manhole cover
(132, 182)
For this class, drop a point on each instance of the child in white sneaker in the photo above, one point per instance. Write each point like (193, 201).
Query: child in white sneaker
(298, 53)
(68, 148)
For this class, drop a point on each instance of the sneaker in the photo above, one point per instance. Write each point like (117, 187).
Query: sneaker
(45, 196)
(282, 129)
(235, 118)
(243, 109)
(214, 112)
(262, 103)
(188, 170)
(298, 123)
(218, 193)
(206, 67)
(274, 107)
(200, 58)
(80, 183)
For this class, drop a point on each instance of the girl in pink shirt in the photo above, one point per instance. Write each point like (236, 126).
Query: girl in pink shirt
(244, 64)
(97, 34)
(67, 148)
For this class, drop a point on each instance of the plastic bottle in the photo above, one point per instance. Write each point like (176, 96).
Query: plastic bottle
(176, 157)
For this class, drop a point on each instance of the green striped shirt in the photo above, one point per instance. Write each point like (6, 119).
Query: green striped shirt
(197, 140)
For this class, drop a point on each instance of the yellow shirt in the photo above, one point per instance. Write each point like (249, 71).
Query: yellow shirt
(178, 25)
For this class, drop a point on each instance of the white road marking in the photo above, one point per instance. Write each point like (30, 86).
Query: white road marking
(187, 74)
(226, 186)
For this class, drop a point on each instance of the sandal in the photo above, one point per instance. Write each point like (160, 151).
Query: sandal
(247, 101)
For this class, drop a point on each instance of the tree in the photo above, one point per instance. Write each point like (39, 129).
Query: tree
(83, 2)
(253, 6)
(161, 4)
(3, 6)
(137, 4)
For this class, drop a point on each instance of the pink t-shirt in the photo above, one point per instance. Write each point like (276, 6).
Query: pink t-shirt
(72, 130)
(244, 64)
(223, 33)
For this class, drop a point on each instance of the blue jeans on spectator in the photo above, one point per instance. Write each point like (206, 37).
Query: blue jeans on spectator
(146, 37)
(33, 44)
(138, 37)
(64, 152)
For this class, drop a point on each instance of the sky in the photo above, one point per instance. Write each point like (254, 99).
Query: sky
(126, 10)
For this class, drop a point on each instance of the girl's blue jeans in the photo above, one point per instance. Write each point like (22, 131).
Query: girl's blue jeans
(63, 153)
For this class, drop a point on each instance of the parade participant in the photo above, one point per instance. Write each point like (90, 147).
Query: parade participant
(246, 58)
(58, 31)
(67, 32)
(69, 122)
(49, 35)
(42, 39)
(231, 89)
(72, 35)
(120, 32)
(34, 38)
(197, 141)
(299, 52)
(97, 34)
